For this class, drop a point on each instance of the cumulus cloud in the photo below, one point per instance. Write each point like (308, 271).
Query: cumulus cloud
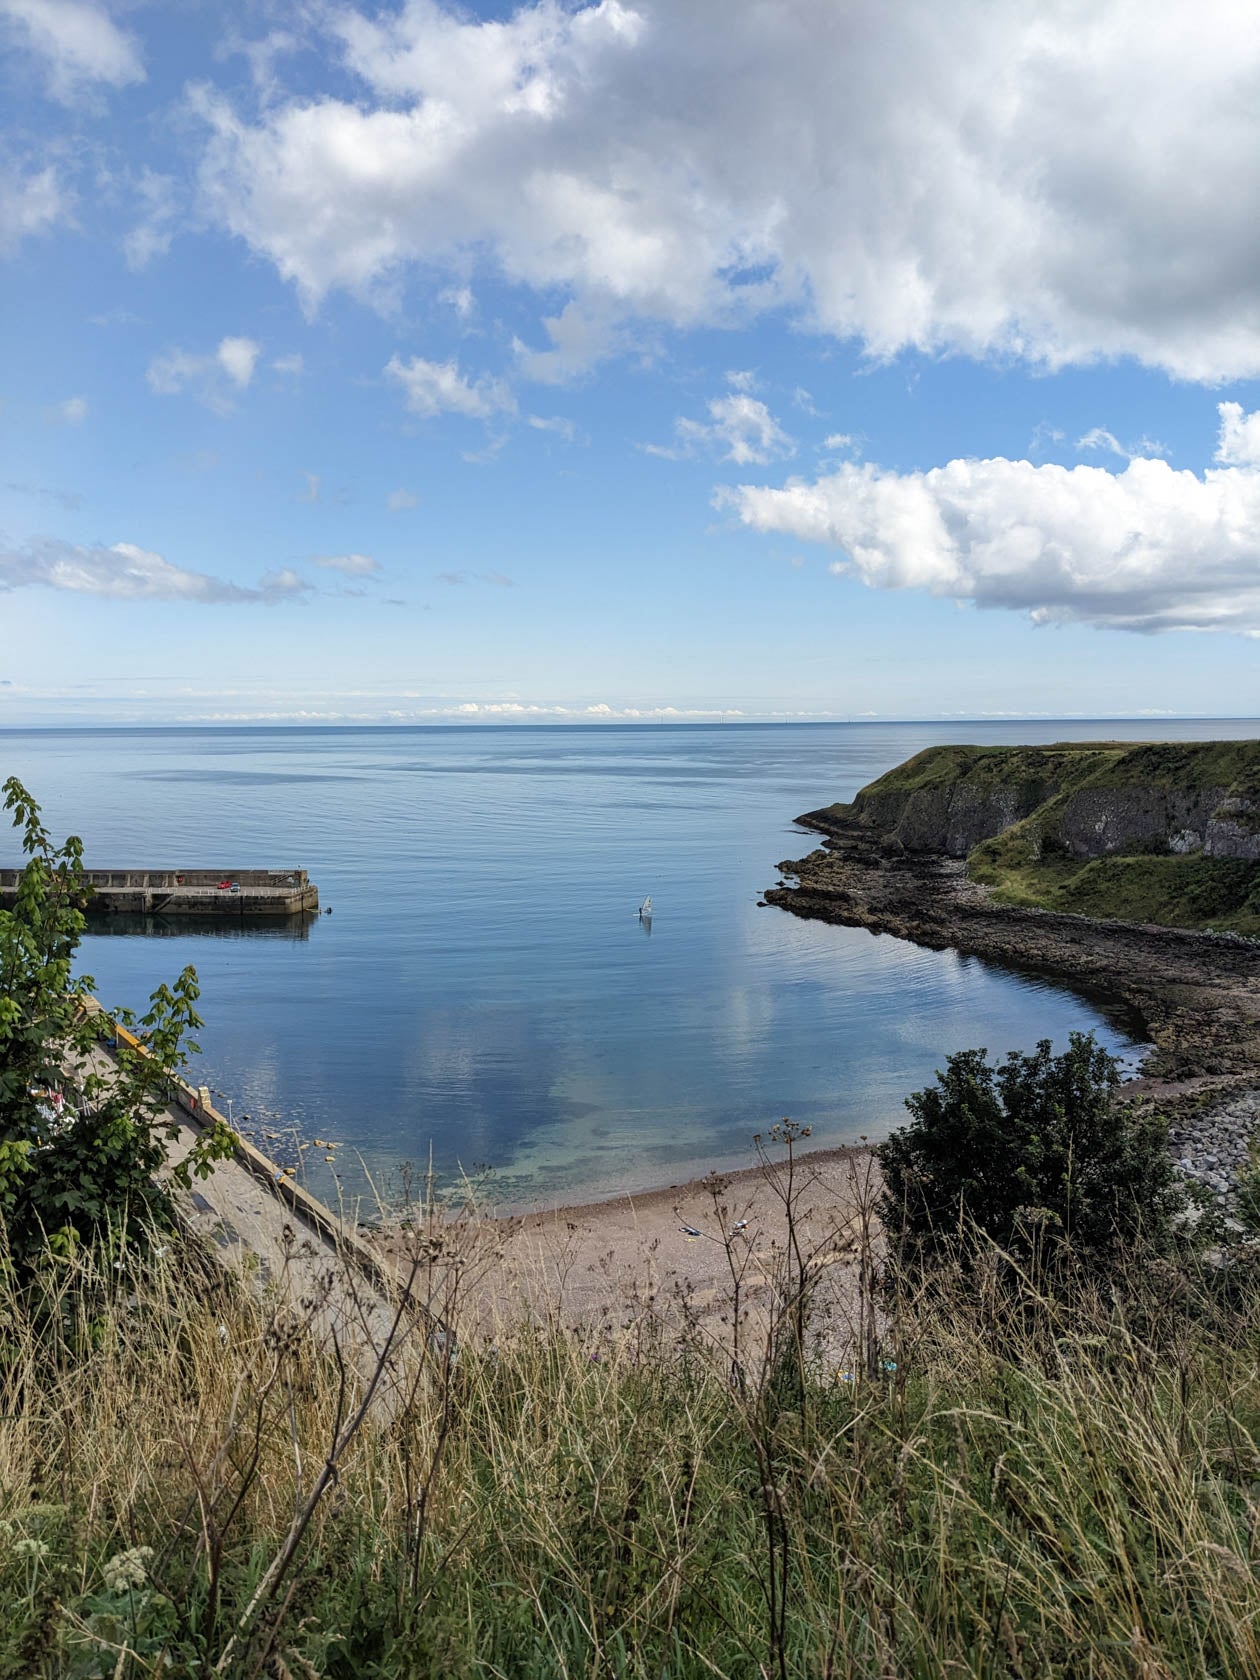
(1239, 442)
(582, 334)
(216, 375)
(30, 204)
(237, 356)
(124, 572)
(1144, 549)
(349, 565)
(78, 41)
(399, 500)
(433, 388)
(740, 428)
(986, 179)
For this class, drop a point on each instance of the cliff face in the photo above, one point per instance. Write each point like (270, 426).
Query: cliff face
(1129, 870)
(1078, 801)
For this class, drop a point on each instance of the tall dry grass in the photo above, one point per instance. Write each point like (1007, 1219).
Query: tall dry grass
(995, 1482)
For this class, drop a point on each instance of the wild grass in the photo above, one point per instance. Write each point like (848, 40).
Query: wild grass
(991, 1480)
(1189, 892)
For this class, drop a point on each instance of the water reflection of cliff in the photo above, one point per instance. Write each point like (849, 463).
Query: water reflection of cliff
(294, 928)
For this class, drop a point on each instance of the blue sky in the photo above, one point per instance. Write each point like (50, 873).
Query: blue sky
(646, 358)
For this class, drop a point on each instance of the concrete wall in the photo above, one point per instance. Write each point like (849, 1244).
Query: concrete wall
(167, 880)
(191, 892)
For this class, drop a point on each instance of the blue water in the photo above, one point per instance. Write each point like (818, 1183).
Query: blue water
(483, 988)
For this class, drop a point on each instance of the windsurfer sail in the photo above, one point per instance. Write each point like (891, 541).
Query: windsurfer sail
(645, 910)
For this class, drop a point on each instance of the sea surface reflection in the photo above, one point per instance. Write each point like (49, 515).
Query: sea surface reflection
(485, 988)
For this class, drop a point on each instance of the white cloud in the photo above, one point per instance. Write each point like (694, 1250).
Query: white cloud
(30, 205)
(740, 429)
(1008, 180)
(838, 440)
(433, 388)
(311, 493)
(349, 565)
(1098, 437)
(1042, 434)
(72, 412)
(579, 336)
(461, 300)
(237, 357)
(291, 364)
(78, 40)
(232, 362)
(554, 423)
(151, 236)
(1147, 548)
(1239, 441)
(124, 572)
(398, 500)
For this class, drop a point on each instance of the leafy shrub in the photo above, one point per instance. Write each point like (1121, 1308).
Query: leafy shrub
(1037, 1153)
(81, 1135)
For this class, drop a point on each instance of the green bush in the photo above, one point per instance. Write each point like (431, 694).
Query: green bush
(1038, 1153)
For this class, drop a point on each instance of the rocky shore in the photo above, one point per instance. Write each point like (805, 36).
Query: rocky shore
(1194, 996)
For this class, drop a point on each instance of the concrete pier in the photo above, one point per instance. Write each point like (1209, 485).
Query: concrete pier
(189, 892)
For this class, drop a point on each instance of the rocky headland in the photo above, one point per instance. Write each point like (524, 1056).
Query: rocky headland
(989, 850)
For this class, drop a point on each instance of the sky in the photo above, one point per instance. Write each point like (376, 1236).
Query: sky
(636, 360)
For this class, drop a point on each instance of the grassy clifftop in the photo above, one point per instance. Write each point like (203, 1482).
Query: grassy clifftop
(1164, 832)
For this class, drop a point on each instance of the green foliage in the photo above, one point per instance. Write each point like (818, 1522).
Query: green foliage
(81, 1134)
(1068, 766)
(1037, 1153)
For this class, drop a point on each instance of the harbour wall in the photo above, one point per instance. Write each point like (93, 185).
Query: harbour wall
(189, 892)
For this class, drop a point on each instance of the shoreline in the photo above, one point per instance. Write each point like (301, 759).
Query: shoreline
(658, 1196)
(1196, 994)
(603, 1261)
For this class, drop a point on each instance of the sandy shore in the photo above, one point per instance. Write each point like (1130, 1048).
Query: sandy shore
(673, 1256)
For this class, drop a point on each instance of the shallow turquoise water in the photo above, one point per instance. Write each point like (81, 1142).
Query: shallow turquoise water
(483, 988)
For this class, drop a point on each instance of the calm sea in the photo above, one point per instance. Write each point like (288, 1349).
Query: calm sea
(483, 989)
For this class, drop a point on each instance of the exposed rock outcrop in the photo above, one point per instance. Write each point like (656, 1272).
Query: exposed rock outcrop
(1087, 801)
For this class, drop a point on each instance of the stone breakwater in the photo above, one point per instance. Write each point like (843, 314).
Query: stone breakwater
(239, 894)
(1195, 996)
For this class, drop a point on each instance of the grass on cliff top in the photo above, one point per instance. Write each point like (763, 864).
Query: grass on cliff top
(1066, 766)
(1222, 894)
(1069, 1489)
